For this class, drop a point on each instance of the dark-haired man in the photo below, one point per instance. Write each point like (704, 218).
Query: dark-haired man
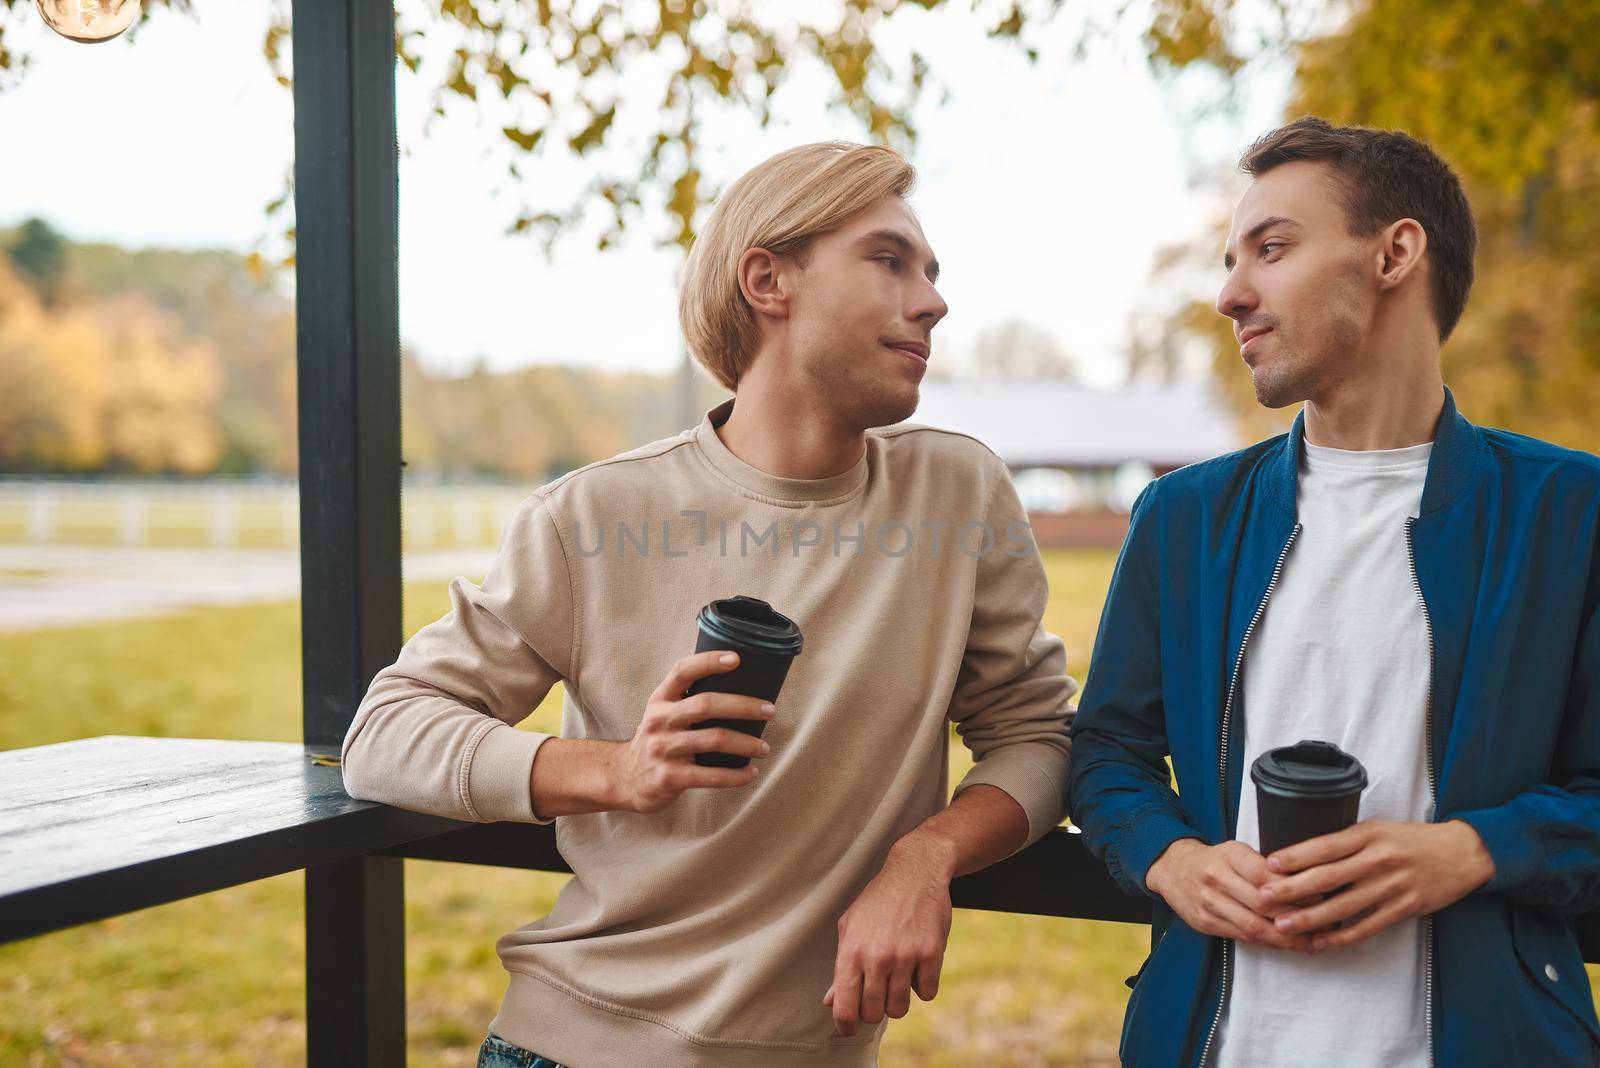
(1388, 577)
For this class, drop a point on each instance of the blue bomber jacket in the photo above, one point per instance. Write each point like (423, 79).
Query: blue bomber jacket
(1506, 559)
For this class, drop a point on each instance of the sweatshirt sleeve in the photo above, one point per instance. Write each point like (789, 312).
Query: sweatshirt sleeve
(435, 732)
(1011, 701)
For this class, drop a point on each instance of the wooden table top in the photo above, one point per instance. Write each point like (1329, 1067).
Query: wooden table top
(101, 826)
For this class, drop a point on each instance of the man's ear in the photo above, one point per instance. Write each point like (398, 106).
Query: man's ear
(1403, 244)
(762, 279)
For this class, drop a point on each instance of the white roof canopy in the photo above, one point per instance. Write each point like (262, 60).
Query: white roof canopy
(1045, 423)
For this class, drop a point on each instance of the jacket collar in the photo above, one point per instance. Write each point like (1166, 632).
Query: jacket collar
(1450, 465)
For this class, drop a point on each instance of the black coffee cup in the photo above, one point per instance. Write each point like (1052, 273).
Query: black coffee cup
(767, 643)
(1305, 790)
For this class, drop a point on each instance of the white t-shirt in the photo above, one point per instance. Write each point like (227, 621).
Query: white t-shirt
(1340, 655)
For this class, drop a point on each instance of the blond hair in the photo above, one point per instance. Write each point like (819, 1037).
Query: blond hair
(780, 205)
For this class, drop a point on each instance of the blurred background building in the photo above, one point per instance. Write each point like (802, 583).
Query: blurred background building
(1078, 455)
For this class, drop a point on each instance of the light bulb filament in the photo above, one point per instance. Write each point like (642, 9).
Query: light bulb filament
(88, 21)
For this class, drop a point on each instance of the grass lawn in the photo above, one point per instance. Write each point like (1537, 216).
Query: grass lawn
(218, 980)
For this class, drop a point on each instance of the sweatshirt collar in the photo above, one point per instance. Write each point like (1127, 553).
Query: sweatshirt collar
(1450, 464)
(774, 489)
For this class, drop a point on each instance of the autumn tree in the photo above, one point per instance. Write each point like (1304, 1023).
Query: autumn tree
(52, 383)
(39, 254)
(549, 76)
(530, 424)
(1509, 94)
(114, 385)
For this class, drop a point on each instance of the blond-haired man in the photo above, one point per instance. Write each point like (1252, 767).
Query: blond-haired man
(777, 913)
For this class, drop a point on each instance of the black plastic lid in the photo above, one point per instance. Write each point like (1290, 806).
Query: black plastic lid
(1311, 769)
(751, 623)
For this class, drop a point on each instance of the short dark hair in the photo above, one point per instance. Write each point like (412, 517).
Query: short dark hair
(1387, 175)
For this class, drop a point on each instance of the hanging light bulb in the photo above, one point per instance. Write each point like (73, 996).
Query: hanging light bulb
(88, 21)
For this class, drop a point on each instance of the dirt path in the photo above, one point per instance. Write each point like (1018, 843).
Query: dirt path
(60, 585)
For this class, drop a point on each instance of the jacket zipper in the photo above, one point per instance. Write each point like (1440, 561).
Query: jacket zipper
(1433, 786)
(1222, 766)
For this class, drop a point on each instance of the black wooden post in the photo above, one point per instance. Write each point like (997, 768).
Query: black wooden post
(355, 963)
(347, 333)
(348, 321)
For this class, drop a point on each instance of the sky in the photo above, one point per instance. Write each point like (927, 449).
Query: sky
(1045, 189)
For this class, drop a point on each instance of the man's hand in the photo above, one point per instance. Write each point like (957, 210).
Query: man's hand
(648, 772)
(1216, 891)
(892, 938)
(1389, 871)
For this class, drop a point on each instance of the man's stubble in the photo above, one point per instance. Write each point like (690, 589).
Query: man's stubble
(1313, 356)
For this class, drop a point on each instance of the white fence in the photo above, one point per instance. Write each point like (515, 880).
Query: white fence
(228, 514)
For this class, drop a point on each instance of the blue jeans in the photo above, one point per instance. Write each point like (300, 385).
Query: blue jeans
(496, 1052)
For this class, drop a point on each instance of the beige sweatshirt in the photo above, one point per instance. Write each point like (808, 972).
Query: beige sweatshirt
(705, 934)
